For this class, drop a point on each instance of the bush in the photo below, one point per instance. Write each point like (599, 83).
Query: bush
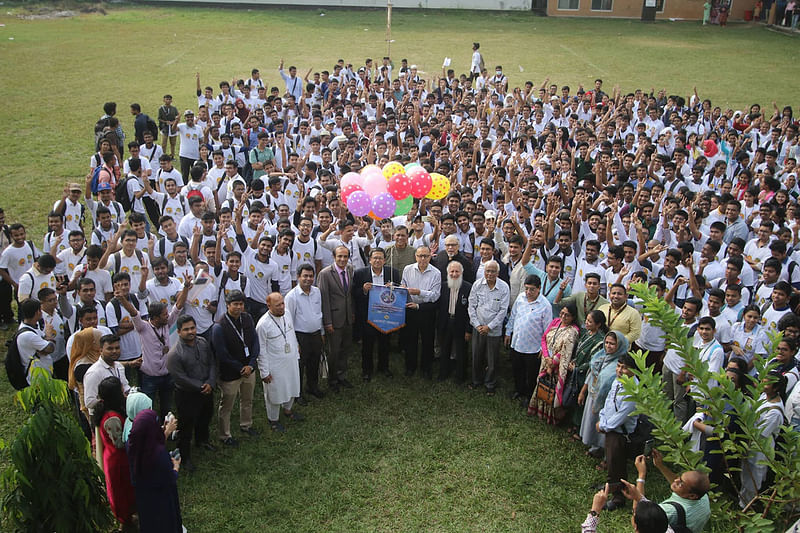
(53, 482)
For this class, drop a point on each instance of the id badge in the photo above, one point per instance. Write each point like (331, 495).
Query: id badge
(246, 352)
(287, 348)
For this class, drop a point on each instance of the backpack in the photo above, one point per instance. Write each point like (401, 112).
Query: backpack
(224, 279)
(100, 131)
(118, 261)
(95, 183)
(17, 375)
(121, 194)
(680, 523)
(152, 127)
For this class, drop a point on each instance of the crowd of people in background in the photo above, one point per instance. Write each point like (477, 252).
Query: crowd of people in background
(193, 269)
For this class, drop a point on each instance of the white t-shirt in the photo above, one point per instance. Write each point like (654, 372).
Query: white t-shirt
(197, 307)
(28, 343)
(166, 294)
(18, 260)
(259, 275)
(190, 140)
(31, 282)
(284, 264)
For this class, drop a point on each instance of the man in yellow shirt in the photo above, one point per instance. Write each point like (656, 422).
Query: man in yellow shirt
(620, 316)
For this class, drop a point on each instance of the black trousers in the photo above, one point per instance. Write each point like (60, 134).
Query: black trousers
(452, 339)
(420, 323)
(186, 166)
(194, 416)
(617, 462)
(310, 352)
(369, 336)
(6, 296)
(256, 309)
(525, 367)
(61, 369)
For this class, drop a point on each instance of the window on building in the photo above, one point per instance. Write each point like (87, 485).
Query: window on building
(568, 4)
(660, 6)
(601, 5)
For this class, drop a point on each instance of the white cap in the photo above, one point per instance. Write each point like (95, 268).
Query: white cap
(413, 67)
(490, 214)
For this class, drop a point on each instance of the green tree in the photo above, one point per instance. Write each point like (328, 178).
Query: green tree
(53, 482)
(776, 507)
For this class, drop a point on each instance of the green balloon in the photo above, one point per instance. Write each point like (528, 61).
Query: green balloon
(403, 206)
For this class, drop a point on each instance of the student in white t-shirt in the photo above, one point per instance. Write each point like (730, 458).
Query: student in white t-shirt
(190, 134)
(34, 345)
(91, 270)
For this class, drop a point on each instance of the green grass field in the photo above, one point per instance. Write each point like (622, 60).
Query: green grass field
(388, 456)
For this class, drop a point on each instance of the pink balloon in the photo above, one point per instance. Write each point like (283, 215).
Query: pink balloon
(349, 189)
(399, 186)
(421, 184)
(383, 205)
(375, 184)
(371, 171)
(352, 178)
(359, 203)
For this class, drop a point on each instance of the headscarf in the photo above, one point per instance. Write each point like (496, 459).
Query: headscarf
(145, 443)
(85, 349)
(136, 403)
(604, 366)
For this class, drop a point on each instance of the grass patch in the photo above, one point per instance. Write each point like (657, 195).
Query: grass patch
(405, 455)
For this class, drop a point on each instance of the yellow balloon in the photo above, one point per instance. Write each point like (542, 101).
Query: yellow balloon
(392, 168)
(440, 187)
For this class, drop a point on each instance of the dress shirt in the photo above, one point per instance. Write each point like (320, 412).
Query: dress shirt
(451, 305)
(628, 321)
(488, 306)
(99, 371)
(429, 283)
(527, 323)
(154, 357)
(305, 309)
(339, 272)
(377, 279)
(616, 414)
(191, 366)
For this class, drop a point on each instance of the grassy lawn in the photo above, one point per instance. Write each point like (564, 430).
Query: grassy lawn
(405, 455)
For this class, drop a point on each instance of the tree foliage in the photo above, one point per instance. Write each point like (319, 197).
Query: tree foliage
(53, 483)
(717, 397)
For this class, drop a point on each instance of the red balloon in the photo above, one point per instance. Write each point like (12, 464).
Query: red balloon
(421, 184)
(399, 186)
(349, 189)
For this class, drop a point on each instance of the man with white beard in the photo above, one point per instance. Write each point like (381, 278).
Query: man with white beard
(453, 323)
(278, 362)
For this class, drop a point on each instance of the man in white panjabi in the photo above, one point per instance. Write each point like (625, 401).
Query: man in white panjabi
(278, 362)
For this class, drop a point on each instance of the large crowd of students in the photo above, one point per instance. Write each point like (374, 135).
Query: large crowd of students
(192, 275)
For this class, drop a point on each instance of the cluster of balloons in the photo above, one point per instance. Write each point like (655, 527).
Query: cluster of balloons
(390, 191)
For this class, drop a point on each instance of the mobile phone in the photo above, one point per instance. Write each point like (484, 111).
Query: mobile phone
(175, 454)
(648, 447)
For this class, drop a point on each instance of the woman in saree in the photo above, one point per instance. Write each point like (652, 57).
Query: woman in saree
(589, 342)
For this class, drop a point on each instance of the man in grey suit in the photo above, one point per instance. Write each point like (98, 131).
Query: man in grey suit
(334, 282)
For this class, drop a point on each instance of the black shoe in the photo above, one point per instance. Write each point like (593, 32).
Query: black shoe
(277, 427)
(387, 373)
(301, 401)
(316, 392)
(427, 374)
(346, 384)
(294, 417)
(208, 446)
(334, 387)
(253, 432)
(230, 441)
(517, 396)
(367, 378)
(490, 392)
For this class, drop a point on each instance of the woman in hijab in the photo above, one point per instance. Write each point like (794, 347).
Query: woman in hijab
(602, 372)
(154, 475)
(85, 352)
(135, 403)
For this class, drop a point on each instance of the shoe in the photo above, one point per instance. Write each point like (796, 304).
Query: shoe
(277, 427)
(611, 505)
(367, 378)
(208, 446)
(427, 374)
(4, 326)
(387, 373)
(472, 386)
(490, 392)
(346, 384)
(409, 373)
(230, 441)
(316, 392)
(301, 401)
(334, 387)
(188, 466)
(516, 396)
(253, 432)
(294, 417)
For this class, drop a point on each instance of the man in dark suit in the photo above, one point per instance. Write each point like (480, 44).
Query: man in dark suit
(334, 282)
(488, 252)
(449, 254)
(453, 323)
(363, 280)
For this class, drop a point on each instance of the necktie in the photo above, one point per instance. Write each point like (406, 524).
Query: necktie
(344, 279)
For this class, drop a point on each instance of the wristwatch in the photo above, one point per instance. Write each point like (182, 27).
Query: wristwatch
(592, 513)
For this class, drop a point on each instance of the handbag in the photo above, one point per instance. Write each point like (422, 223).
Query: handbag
(546, 389)
(571, 389)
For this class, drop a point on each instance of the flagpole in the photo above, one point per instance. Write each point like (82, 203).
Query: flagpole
(389, 28)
